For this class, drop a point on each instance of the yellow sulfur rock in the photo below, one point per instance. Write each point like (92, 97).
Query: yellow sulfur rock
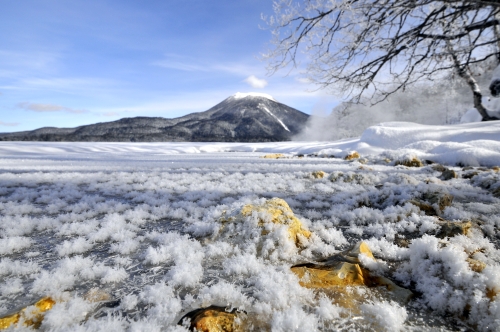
(360, 248)
(33, 318)
(280, 213)
(343, 270)
(212, 319)
(415, 162)
(352, 155)
(318, 174)
(475, 265)
(273, 156)
(9, 320)
(342, 274)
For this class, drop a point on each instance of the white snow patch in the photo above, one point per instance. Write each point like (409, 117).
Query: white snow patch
(240, 95)
(388, 315)
(274, 116)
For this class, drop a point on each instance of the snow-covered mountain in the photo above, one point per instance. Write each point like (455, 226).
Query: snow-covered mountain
(243, 117)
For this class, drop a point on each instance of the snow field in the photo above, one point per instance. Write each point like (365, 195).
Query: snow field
(143, 227)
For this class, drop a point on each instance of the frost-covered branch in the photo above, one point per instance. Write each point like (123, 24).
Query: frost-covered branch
(369, 49)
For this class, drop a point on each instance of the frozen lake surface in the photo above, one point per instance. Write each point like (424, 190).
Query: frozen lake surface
(141, 224)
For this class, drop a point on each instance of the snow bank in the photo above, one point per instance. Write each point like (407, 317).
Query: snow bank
(466, 144)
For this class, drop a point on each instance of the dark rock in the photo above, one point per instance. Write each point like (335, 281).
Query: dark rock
(439, 168)
(470, 175)
(401, 241)
(448, 174)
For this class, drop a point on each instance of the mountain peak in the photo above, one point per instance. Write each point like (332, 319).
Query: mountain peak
(243, 117)
(240, 95)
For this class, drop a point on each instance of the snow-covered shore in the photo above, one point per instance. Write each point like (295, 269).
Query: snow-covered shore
(141, 223)
(469, 144)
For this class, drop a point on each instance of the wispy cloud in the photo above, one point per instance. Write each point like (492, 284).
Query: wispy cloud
(67, 84)
(110, 114)
(42, 108)
(242, 68)
(9, 124)
(180, 66)
(255, 82)
(29, 61)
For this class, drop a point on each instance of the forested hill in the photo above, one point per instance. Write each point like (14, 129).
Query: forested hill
(239, 118)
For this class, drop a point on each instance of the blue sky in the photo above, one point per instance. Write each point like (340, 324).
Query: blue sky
(70, 63)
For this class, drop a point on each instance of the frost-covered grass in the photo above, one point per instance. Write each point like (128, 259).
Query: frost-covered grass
(144, 228)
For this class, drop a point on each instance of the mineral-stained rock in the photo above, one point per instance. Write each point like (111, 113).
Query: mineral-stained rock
(415, 162)
(427, 208)
(442, 200)
(273, 156)
(344, 270)
(318, 174)
(212, 319)
(278, 212)
(352, 155)
(358, 249)
(32, 315)
(340, 274)
(450, 228)
(496, 169)
(433, 203)
(476, 265)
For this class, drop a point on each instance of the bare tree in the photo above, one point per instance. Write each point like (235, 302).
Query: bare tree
(373, 48)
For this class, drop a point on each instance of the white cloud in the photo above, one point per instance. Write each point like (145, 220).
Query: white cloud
(42, 108)
(255, 82)
(9, 124)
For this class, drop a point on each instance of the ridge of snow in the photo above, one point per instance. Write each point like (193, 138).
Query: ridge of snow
(470, 144)
(241, 95)
(274, 116)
